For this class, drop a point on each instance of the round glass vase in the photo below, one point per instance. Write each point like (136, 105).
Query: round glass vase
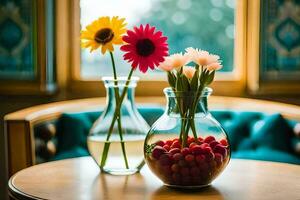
(116, 138)
(186, 151)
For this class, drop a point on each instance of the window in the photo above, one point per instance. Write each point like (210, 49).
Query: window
(208, 25)
(218, 26)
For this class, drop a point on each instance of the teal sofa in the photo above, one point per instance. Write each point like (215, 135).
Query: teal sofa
(252, 135)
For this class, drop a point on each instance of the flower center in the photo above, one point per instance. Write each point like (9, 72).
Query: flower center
(104, 36)
(145, 47)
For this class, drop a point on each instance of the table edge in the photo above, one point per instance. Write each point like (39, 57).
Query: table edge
(17, 194)
(20, 195)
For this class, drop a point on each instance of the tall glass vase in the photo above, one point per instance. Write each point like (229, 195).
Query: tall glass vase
(116, 138)
(186, 151)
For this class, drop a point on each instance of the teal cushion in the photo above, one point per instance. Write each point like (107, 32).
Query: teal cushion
(274, 132)
(295, 142)
(151, 113)
(246, 144)
(72, 130)
(252, 135)
(71, 153)
(268, 154)
(236, 124)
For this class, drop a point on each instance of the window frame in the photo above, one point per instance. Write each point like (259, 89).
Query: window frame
(255, 85)
(68, 34)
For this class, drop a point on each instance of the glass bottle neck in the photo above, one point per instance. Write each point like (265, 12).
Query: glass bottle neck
(177, 106)
(117, 87)
(186, 104)
(112, 91)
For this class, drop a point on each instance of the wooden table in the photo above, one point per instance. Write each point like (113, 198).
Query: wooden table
(80, 178)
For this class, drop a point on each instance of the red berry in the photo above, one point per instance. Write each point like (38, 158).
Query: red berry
(192, 144)
(177, 156)
(176, 177)
(184, 171)
(218, 158)
(213, 144)
(157, 152)
(182, 163)
(164, 159)
(190, 140)
(166, 170)
(220, 149)
(207, 150)
(173, 151)
(200, 142)
(200, 159)
(166, 147)
(192, 163)
(175, 140)
(194, 171)
(160, 143)
(185, 151)
(203, 167)
(224, 142)
(209, 139)
(169, 142)
(196, 149)
(175, 168)
(189, 158)
(204, 145)
(175, 144)
(212, 164)
(210, 156)
(200, 139)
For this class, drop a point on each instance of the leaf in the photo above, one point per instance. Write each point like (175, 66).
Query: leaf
(181, 70)
(210, 78)
(203, 76)
(171, 79)
(178, 85)
(195, 80)
(185, 83)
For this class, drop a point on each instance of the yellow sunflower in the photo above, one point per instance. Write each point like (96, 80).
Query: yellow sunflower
(103, 32)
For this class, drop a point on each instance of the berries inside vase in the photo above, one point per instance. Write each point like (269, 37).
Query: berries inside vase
(191, 159)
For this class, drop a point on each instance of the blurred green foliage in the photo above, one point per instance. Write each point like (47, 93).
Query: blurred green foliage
(204, 24)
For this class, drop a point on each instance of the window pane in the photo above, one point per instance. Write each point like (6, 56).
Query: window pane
(205, 24)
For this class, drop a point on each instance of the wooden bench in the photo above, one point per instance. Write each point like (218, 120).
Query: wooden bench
(20, 126)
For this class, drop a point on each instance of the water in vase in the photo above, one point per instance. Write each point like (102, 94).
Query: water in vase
(115, 160)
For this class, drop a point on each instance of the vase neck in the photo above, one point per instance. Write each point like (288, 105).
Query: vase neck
(182, 104)
(112, 86)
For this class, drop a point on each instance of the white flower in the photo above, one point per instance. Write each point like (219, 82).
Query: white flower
(174, 61)
(188, 71)
(201, 57)
(213, 66)
(166, 65)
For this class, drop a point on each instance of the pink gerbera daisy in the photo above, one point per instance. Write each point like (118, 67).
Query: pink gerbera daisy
(145, 48)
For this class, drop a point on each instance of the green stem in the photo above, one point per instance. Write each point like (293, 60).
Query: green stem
(193, 110)
(192, 123)
(181, 130)
(118, 105)
(122, 141)
(118, 110)
(116, 89)
(114, 68)
(185, 128)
